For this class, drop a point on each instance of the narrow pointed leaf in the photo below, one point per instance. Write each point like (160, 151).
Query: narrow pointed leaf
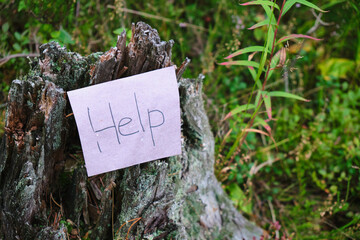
(270, 14)
(270, 37)
(263, 23)
(262, 3)
(246, 50)
(239, 109)
(241, 63)
(271, 71)
(269, 11)
(274, 62)
(268, 43)
(269, 40)
(295, 36)
(255, 131)
(252, 72)
(287, 95)
(262, 132)
(290, 3)
(267, 101)
(257, 99)
(332, 3)
(309, 4)
(262, 122)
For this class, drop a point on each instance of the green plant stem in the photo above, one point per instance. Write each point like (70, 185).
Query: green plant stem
(273, 46)
(241, 136)
(266, 76)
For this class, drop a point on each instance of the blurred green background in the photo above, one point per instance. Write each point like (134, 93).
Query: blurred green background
(305, 187)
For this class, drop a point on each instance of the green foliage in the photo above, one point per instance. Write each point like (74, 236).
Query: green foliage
(269, 47)
(62, 36)
(322, 165)
(239, 198)
(336, 68)
(309, 179)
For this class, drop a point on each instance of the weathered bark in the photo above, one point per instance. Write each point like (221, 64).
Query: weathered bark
(44, 188)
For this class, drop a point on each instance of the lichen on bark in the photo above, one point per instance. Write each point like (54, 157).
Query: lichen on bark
(44, 188)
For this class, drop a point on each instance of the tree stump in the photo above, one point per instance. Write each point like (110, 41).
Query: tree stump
(44, 190)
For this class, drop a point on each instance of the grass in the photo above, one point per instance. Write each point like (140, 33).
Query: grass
(304, 187)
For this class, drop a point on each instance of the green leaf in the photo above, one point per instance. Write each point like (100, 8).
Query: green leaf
(5, 27)
(267, 101)
(252, 72)
(17, 47)
(259, 121)
(55, 34)
(273, 64)
(263, 23)
(267, 45)
(262, 3)
(259, 34)
(119, 31)
(242, 108)
(287, 6)
(239, 198)
(287, 95)
(22, 5)
(241, 63)
(65, 37)
(239, 109)
(257, 99)
(17, 36)
(62, 36)
(309, 4)
(336, 68)
(270, 37)
(246, 50)
(290, 3)
(269, 11)
(295, 36)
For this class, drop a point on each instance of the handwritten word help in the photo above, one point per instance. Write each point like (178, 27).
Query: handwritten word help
(119, 127)
(128, 121)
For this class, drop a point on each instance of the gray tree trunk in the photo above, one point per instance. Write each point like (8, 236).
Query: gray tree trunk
(45, 192)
